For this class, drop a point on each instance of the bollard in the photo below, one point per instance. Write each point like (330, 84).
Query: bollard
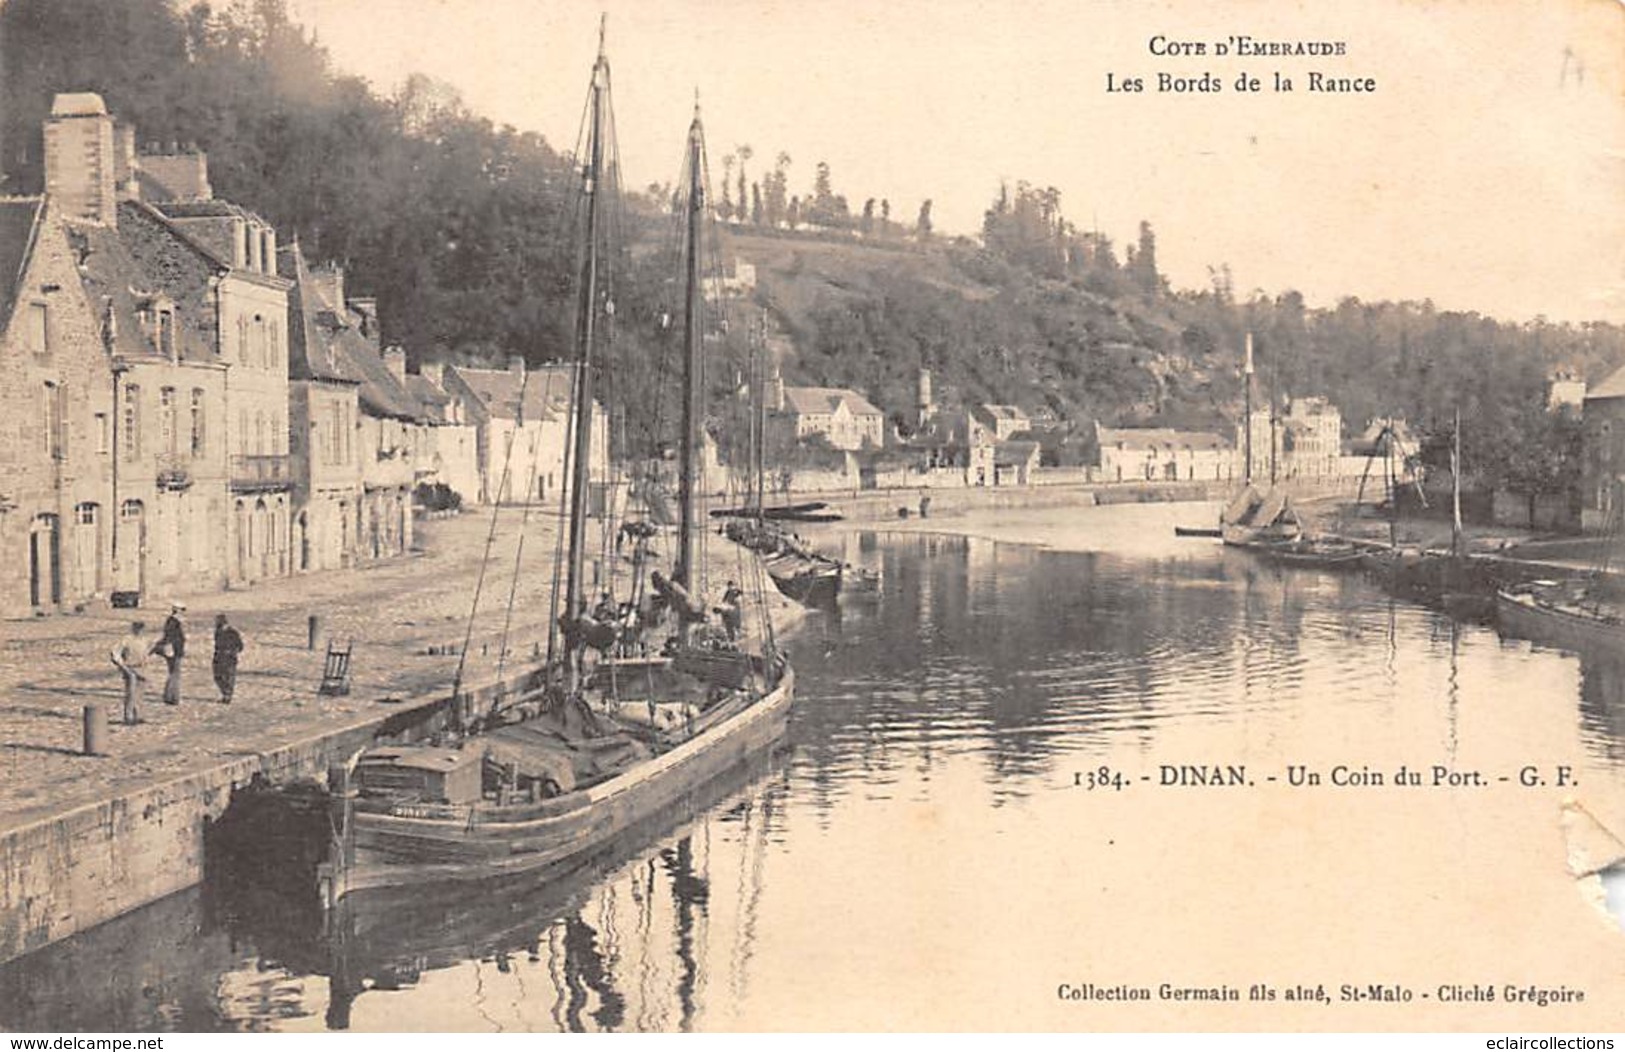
(95, 730)
(315, 630)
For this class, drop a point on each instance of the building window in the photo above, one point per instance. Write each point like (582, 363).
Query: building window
(51, 420)
(38, 331)
(259, 433)
(242, 338)
(166, 419)
(166, 334)
(102, 433)
(198, 436)
(132, 421)
(278, 434)
(277, 359)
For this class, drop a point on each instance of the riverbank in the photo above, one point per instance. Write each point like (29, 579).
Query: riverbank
(85, 838)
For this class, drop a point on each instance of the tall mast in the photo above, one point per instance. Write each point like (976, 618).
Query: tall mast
(1455, 487)
(688, 527)
(1275, 374)
(1247, 411)
(586, 318)
(761, 419)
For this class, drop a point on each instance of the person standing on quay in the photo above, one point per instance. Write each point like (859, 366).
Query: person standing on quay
(228, 643)
(171, 646)
(129, 654)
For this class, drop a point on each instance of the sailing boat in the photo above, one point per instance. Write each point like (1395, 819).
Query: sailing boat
(611, 734)
(797, 571)
(1252, 517)
(1582, 613)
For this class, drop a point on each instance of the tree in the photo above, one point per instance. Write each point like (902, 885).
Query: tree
(1144, 268)
(885, 217)
(867, 223)
(745, 154)
(922, 225)
(756, 213)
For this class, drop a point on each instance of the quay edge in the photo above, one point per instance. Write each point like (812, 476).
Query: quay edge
(65, 873)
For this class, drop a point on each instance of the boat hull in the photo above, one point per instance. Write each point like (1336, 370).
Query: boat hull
(1519, 614)
(808, 584)
(557, 835)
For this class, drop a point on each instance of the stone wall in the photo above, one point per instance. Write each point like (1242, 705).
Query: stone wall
(70, 872)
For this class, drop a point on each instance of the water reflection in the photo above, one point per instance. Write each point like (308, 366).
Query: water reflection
(903, 866)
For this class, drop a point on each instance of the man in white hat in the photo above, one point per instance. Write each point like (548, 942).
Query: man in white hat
(171, 646)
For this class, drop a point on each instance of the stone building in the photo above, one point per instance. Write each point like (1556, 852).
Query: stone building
(1003, 422)
(324, 414)
(1311, 439)
(390, 425)
(1141, 454)
(56, 402)
(1602, 454)
(169, 477)
(846, 419)
(450, 450)
(522, 416)
(211, 254)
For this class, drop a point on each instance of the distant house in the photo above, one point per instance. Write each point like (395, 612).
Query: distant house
(1004, 421)
(1129, 454)
(845, 418)
(1602, 453)
(1565, 390)
(1015, 460)
(451, 452)
(1312, 439)
(523, 419)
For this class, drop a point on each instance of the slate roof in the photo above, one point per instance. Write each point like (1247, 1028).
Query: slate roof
(311, 355)
(115, 278)
(381, 394)
(431, 399)
(1014, 452)
(1142, 438)
(325, 343)
(805, 400)
(18, 219)
(1612, 386)
(546, 393)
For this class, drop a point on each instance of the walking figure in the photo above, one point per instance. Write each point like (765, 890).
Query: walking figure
(129, 654)
(732, 614)
(171, 646)
(228, 644)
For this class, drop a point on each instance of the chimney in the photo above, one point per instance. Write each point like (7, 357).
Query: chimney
(329, 284)
(434, 372)
(80, 159)
(516, 365)
(395, 359)
(125, 184)
(174, 176)
(367, 307)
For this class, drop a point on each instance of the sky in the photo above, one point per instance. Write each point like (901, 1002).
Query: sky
(1486, 171)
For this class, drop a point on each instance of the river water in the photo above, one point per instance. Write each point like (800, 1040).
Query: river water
(930, 854)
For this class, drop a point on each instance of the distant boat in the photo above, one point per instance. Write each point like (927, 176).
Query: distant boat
(1198, 531)
(1254, 517)
(812, 511)
(863, 581)
(1312, 552)
(1571, 615)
